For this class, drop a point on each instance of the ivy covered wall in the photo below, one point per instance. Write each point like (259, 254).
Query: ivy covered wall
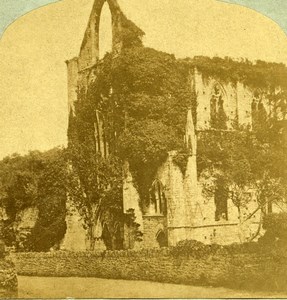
(132, 105)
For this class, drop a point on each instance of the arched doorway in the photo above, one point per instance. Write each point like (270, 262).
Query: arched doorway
(162, 239)
(105, 31)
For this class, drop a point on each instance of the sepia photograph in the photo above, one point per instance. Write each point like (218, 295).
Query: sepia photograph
(143, 149)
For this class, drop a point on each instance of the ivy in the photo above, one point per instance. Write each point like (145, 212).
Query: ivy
(181, 159)
(260, 74)
(131, 35)
(154, 93)
(139, 94)
(140, 97)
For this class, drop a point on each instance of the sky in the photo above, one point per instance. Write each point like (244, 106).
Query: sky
(33, 84)
(10, 10)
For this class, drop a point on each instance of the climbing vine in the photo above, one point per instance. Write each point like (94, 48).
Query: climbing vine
(143, 96)
(259, 74)
(131, 35)
(154, 94)
(135, 110)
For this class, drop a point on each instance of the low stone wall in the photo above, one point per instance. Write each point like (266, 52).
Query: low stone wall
(244, 271)
(8, 279)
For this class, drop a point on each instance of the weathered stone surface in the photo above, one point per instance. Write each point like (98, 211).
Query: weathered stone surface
(189, 215)
(75, 237)
(8, 279)
(24, 222)
(244, 271)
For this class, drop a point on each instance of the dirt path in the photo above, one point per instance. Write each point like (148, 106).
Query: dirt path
(42, 287)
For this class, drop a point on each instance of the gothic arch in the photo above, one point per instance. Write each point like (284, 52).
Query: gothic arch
(258, 109)
(105, 33)
(157, 204)
(218, 96)
(90, 47)
(256, 99)
(218, 85)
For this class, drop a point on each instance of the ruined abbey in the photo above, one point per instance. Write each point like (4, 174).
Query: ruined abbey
(177, 207)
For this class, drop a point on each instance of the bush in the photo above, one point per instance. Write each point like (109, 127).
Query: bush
(198, 250)
(276, 230)
(193, 248)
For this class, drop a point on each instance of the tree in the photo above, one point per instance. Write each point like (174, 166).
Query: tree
(35, 180)
(242, 160)
(275, 225)
(95, 188)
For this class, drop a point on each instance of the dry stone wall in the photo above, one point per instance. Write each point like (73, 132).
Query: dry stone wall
(246, 271)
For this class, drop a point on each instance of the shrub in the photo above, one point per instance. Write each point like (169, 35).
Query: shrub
(193, 248)
(276, 230)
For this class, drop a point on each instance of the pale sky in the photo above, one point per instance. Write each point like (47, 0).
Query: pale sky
(10, 10)
(33, 50)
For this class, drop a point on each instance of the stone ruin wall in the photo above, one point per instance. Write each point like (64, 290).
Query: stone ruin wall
(75, 237)
(183, 209)
(194, 218)
(188, 215)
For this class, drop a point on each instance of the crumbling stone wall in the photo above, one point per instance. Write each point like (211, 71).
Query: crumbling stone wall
(237, 101)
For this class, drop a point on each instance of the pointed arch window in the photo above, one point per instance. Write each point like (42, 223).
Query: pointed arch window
(218, 117)
(157, 204)
(259, 114)
(105, 31)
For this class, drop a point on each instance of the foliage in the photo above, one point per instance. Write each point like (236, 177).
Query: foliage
(276, 229)
(219, 120)
(95, 185)
(227, 152)
(94, 181)
(240, 159)
(35, 180)
(131, 35)
(153, 92)
(135, 110)
(138, 95)
(130, 220)
(181, 158)
(8, 279)
(260, 74)
(193, 248)
(198, 250)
